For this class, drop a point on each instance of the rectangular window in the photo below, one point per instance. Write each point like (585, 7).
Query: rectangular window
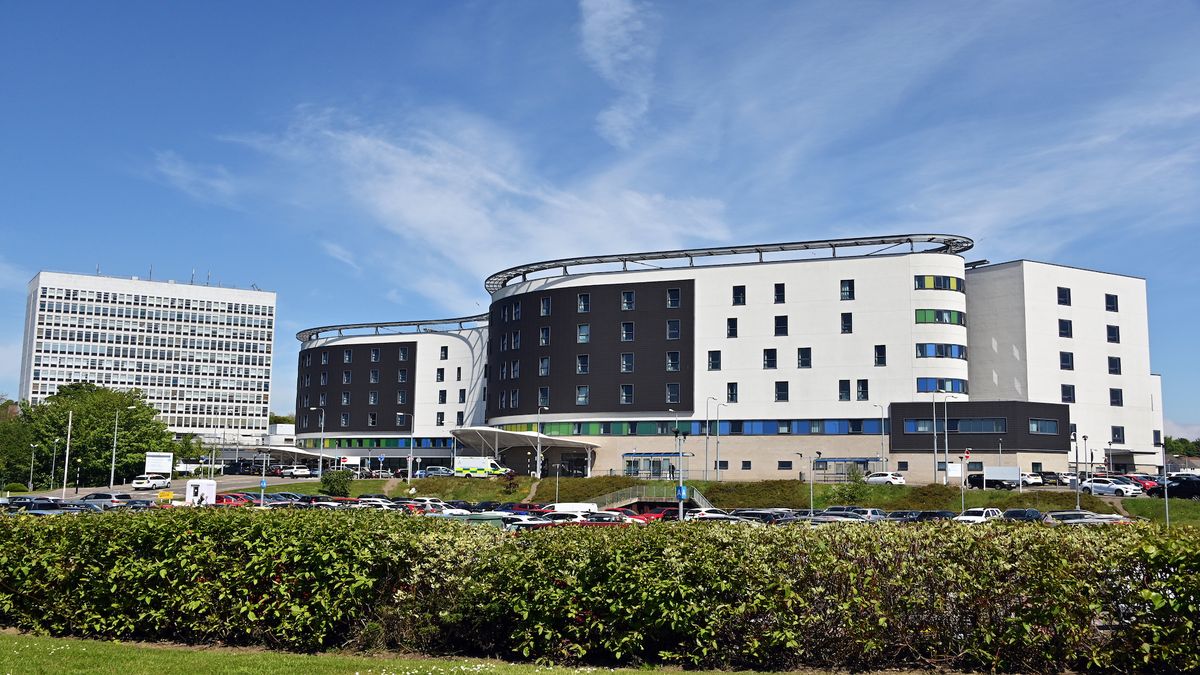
(721, 465)
(344, 420)
(581, 364)
(881, 355)
(324, 358)
(626, 394)
(399, 419)
(516, 395)
(974, 466)
(672, 392)
(673, 297)
(516, 339)
(307, 380)
(843, 390)
(1116, 398)
(345, 398)
(307, 360)
(1157, 437)
(582, 394)
(1114, 334)
(1110, 302)
(441, 397)
(1045, 427)
(1118, 435)
(731, 393)
(847, 322)
(804, 357)
(1066, 361)
(545, 307)
(440, 374)
(516, 311)
(402, 354)
(347, 356)
(781, 392)
(458, 374)
(345, 377)
(863, 391)
(444, 352)
(462, 395)
(372, 419)
(441, 419)
(730, 328)
(673, 329)
(544, 396)
(1064, 296)
(784, 465)
(626, 331)
(375, 355)
(781, 326)
(739, 295)
(714, 359)
(583, 302)
(780, 294)
(372, 398)
(1064, 328)
(626, 362)
(672, 362)
(321, 399)
(583, 333)
(1068, 393)
(847, 289)
(373, 376)
(543, 366)
(1114, 365)
(544, 336)
(745, 465)
(949, 316)
(902, 466)
(458, 418)
(627, 300)
(768, 359)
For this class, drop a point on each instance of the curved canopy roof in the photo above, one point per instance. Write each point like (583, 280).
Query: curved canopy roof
(491, 439)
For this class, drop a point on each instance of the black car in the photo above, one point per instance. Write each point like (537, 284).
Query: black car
(1023, 515)
(976, 480)
(485, 506)
(902, 516)
(461, 504)
(925, 516)
(1180, 487)
(1049, 477)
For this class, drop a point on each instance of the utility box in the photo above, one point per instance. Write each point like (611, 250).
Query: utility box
(200, 492)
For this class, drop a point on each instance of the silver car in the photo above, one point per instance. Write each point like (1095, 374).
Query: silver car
(1110, 487)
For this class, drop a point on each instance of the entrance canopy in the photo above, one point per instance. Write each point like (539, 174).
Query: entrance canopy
(492, 440)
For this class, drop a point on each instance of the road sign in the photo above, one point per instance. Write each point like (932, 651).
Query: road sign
(262, 483)
(166, 495)
(343, 460)
(381, 458)
(967, 454)
(681, 492)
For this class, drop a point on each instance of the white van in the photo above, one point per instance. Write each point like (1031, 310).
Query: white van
(574, 507)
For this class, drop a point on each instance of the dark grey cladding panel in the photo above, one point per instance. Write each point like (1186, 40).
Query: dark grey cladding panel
(1017, 435)
(649, 347)
(360, 386)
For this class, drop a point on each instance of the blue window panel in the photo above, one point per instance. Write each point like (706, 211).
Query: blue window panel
(800, 427)
(871, 426)
(770, 428)
(837, 427)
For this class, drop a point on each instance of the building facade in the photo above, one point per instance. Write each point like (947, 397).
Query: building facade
(201, 355)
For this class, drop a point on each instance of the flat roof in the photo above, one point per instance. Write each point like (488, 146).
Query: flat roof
(1050, 264)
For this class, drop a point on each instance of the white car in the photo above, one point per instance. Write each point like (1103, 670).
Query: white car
(693, 513)
(885, 478)
(977, 516)
(151, 481)
(295, 471)
(1108, 486)
(1032, 479)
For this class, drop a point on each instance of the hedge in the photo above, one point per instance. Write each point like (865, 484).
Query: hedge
(998, 597)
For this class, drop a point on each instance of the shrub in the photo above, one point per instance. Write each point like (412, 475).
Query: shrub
(336, 483)
(16, 487)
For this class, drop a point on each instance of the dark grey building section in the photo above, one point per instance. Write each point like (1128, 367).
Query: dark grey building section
(655, 315)
(1043, 427)
(372, 367)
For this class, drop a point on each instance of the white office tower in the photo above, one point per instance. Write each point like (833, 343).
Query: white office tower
(201, 355)
(1050, 333)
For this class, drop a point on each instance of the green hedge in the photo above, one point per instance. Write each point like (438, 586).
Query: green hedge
(1024, 598)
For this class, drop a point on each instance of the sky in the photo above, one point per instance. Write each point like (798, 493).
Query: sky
(374, 161)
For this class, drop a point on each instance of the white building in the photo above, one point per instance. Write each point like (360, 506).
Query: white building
(201, 355)
(1051, 333)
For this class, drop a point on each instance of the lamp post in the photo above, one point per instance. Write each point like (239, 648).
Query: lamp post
(719, 406)
(262, 485)
(32, 450)
(67, 458)
(112, 469)
(812, 477)
(1108, 456)
(321, 445)
(1078, 478)
(674, 412)
(53, 462)
(539, 439)
(680, 439)
(933, 400)
(882, 452)
(1166, 496)
(557, 474)
(78, 467)
(706, 430)
(946, 433)
(962, 482)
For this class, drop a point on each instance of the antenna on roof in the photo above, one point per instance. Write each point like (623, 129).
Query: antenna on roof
(193, 279)
(151, 277)
(97, 269)
(208, 278)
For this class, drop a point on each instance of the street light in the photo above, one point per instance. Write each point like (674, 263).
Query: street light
(78, 466)
(32, 449)
(1077, 476)
(706, 431)
(539, 439)
(67, 458)
(112, 469)
(679, 441)
(719, 406)
(946, 433)
(321, 447)
(53, 462)
(933, 400)
(882, 452)
(1108, 456)
(557, 474)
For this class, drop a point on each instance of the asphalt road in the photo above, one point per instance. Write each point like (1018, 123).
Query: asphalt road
(224, 484)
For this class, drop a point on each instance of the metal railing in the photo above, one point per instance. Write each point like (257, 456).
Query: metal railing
(654, 492)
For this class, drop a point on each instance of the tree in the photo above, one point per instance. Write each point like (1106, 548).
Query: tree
(281, 419)
(1182, 447)
(94, 411)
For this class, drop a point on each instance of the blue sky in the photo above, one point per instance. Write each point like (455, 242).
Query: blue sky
(375, 160)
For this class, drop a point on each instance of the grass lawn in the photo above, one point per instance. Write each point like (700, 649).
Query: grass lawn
(313, 487)
(1183, 511)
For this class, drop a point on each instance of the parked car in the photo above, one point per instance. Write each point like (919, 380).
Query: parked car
(885, 478)
(1050, 477)
(1023, 515)
(976, 480)
(1076, 517)
(485, 506)
(295, 471)
(1144, 480)
(935, 515)
(1029, 478)
(435, 472)
(835, 510)
(902, 516)
(1182, 487)
(107, 499)
(231, 500)
(873, 515)
(977, 516)
(151, 481)
(1110, 486)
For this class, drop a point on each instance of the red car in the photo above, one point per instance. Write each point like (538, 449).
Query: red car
(1144, 480)
(232, 500)
(657, 513)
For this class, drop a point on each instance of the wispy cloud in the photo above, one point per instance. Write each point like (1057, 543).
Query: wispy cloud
(340, 254)
(1177, 430)
(619, 42)
(205, 183)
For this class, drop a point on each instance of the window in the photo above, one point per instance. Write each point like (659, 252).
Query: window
(516, 310)
(948, 384)
(1157, 437)
(458, 418)
(583, 333)
(543, 366)
(516, 339)
(345, 398)
(730, 328)
(545, 307)
(462, 395)
(739, 295)
(1118, 435)
(441, 419)
(672, 298)
(974, 466)
(731, 393)
(1110, 302)
(401, 396)
(1068, 393)
(458, 374)
(714, 359)
(626, 331)
(672, 392)
(843, 390)
(1114, 334)
(1116, 398)
(307, 360)
(929, 350)
(722, 465)
(781, 326)
(373, 376)
(1114, 365)
(402, 354)
(307, 380)
(347, 356)
(440, 375)
(673, 329)
(444, 352)
(847, 289)
(344, 419)
(1040, 426)
(345, 377)
(804, 357)
(375, 355)
(583, 302)
(516, 394)
(582, 394)
(847, 322)
(784, 465)
(672, 362)
(372, 398)
(627, 300)
(881, 355)
(745, 465)
(781, 392)
(949, 316)
(1064, 328)
(626, 362)
(321, 399)
(863, 390)
(399, 419)
(581, 364)
(626, 394)
(1066, 361)
(324, 358)
(544, 336)
(372, 419)
(939, 283)
(544, 396)
(1064, 296)
(780, 294)
(441, 396)
(768, 359)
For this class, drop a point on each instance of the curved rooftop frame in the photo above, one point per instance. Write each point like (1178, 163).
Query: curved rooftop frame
(938, 243)
(392, 327)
